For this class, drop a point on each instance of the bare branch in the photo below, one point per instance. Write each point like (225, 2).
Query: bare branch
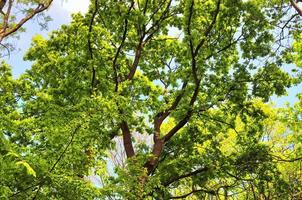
(7, 49)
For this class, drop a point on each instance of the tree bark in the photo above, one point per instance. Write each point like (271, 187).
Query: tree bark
(127, 139)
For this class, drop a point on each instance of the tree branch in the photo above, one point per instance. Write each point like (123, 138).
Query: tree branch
(90, 46)
(40, 8)
(160, 117)
(213, 192)
(40, 183)
(208, 30)
(191, 45)
(138, 53)
(143, 41)
(279, 159)
(114, 64)
(296, 7)
(189, 113)
(65, 149)
(177, 178)
(219, 121)
(158, 141)
(155, 26)
(6, 17)
(127, 139)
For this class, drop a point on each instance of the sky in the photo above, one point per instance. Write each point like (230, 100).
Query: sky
(60, 12)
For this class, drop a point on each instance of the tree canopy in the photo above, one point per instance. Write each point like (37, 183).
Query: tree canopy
(157, 99)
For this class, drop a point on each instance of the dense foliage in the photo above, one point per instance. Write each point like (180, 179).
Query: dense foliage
(157, 99)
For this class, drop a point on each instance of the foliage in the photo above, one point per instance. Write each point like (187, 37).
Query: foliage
(192, 77)
(13, 16)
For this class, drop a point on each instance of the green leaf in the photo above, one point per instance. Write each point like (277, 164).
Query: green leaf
(29, 169)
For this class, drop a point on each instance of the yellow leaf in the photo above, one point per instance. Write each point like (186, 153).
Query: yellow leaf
(239, 124)
(29, 169)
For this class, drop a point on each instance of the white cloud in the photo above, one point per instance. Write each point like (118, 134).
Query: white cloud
(73, 6)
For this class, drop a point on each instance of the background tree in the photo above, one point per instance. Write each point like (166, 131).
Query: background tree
(193, 75)
(14, 14)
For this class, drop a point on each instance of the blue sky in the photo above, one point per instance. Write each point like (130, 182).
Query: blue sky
(60, 12)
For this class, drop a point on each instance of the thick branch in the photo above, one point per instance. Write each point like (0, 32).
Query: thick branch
(127, 139)
(6, 17)
(137, 57)
(179, 125)
(158, 141)
(124, 125)
(187, 117)
(160, 117)
(40, 8)
(143, 41)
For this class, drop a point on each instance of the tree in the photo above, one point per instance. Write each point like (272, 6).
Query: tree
(191, 75)
(11, 19)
